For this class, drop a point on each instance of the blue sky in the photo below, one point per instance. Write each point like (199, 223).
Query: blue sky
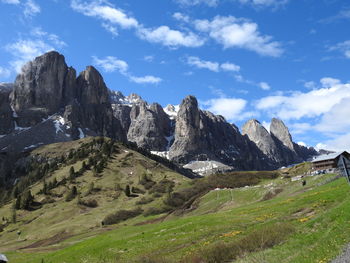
(241, 58)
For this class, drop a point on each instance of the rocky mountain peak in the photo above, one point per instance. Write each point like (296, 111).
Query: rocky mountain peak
(93, 89)
(258, 134)
(39, 90)
(279, 130)
(134, 98)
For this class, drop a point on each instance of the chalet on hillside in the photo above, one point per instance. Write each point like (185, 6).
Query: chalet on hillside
(331, 162)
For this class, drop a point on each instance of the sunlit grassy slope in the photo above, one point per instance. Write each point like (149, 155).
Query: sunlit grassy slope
(318, 216)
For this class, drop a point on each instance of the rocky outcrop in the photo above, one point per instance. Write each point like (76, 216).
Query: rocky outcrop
(277, 144)
(43, 87)
(95, 108)
(150, 127)
(280, 131)
(6, 113)
(201, 136)
(258, 134)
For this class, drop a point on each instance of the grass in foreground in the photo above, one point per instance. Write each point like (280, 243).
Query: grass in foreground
(313, 226)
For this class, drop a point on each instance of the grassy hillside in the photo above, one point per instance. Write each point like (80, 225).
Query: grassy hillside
(249, 217)
(52, 218)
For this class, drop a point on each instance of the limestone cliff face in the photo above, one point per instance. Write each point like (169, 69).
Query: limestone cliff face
(201, 135)
(262, 138)
(150, 127)
(42, 88)
(280, 131)
(6, 114)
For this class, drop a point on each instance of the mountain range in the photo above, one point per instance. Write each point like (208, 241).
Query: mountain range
(49, 102)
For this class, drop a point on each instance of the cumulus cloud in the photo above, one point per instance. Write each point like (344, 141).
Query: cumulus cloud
(53, 38)
(31, 8)
(232, 109)
(111, 16)
(169, 37)
(340, 143)
(212, 66)
(302, 104)
(232, 32)
(25, 50)
(264, 86)
(181, 17)
(105, 12)
(111, 64)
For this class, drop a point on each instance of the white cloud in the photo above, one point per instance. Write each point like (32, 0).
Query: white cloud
(112, 29)
(230, 67)
(231, 108)
(31, 8)
(113, 16)
(149, 58)
(197, 62)
(262, 3)
(25, 50)
(266, 125)
(105, 12)
(340, 143)
(239, 33)
(14, 2)
(336, 120)
(169, 37)
(309, 104)
(4, 72)
(264, 86)
(181, 17)
(301, 144)
(197, 2)
(343, 47)
(111, 64)
(212, 66)
(145, 79)
(54, 39)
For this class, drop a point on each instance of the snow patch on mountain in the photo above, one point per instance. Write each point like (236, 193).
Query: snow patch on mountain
(207, 167)
(171, 110)
(164, 154)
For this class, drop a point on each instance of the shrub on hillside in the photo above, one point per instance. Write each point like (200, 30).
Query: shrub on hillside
(163, 186)
(144, 201)
(72, 193)
(92, 203)
(157, 210)
(121, 215)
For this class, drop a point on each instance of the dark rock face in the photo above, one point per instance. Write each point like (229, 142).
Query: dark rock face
(201, 135)
(95, 109)
(41, 88)
(262, 138)
(277, 145)
(187, 132)
(280, 131)
(149, 127)
(6, 114)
